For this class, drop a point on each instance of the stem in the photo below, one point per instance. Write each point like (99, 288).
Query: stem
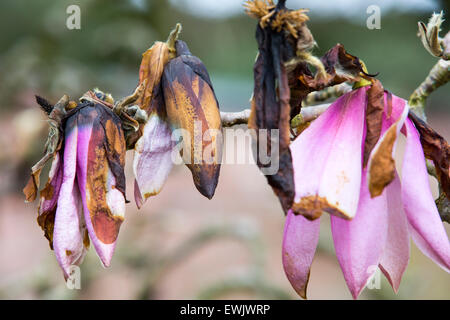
(233, 118)
(328, 93)
(438, 76)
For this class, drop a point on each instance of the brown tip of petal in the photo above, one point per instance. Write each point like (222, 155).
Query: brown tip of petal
(206, 177)
(106, 227)
(312, 207)
(382, 165)
(31, 189)
(46, 221)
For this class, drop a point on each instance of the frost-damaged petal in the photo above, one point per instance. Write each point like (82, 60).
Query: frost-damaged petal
(396, 252)
(67, 235)
(48, 199)
(426, 226)
(152, 158)
(299, 245)
(381, 161)
(359, 243)
(435, 148)
(150, 71)
(191, 105)
(327, 159)
(103, 199)
(374, 118)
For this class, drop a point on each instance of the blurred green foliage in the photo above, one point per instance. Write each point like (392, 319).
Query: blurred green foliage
(40, 55)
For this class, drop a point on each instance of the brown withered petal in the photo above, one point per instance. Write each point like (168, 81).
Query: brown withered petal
(190, 102)
(339, 65)
(271, 106)
(31, 189)
(44, 104)
(443, 205)
(374, 112)
(49, 198)
(436, 149)
(380, 163)
(151, 70)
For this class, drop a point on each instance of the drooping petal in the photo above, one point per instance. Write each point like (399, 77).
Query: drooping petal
(152, 158)
(299, 246)
(191, 105)
(49, 197)
(359, 242)
(101, 148)
(327, 159)
(381, 164)
(396, 252)
(426, 226)
(67, 233)
(436, 149)
(374, 118)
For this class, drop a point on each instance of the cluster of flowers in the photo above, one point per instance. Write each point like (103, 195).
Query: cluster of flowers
(342, 163)
(84, 198)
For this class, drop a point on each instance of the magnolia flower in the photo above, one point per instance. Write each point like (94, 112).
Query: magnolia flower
(182, 112)
(84, 198)
(373, 211)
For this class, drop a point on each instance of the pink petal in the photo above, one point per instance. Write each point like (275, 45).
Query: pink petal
(396, 253)
(359, 242)
(426, 226)
(327, 159)
(381, 165)
(152, 158)
(299, 245)
(115, 200)
(138, 195)
(67, 232)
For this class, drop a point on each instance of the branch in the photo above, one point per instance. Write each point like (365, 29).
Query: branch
(233, 118)
(328, 93)
(438, 76)
(307, 114)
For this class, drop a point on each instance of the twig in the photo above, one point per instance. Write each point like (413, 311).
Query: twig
(233, 118)
(438, 76)
(328, 93)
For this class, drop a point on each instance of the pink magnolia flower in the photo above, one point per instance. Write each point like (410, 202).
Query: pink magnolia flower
(373, 211)
(85, 195)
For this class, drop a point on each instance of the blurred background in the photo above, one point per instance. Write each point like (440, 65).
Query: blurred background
(181, 245)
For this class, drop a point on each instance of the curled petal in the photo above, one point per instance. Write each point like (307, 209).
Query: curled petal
(381, 162)
(152, 158)
(327, 159)
(437, 149)
(68, 229)
(299, 245)
(396, 252)
(374, 118)
(49, 197)
(100, 187)
(359, 243)
(426, 226)
(150, 71)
